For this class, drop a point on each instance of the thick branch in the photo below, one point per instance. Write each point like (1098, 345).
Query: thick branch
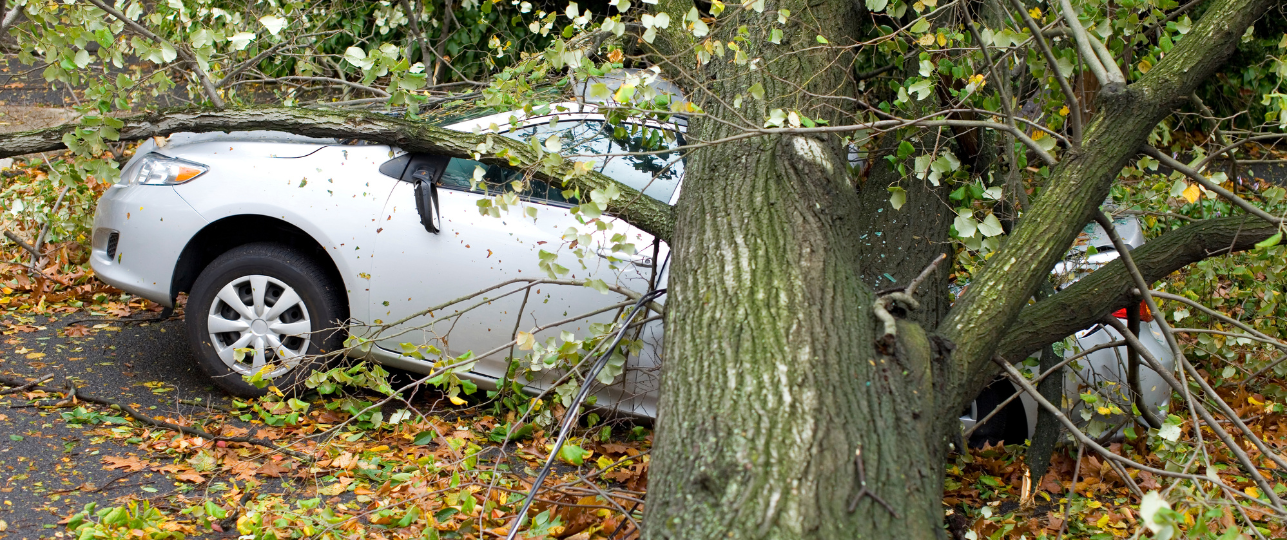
(1109, 288)
(990, 306)
(647, 214)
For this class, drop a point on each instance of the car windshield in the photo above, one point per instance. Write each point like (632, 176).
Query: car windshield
(657, 175)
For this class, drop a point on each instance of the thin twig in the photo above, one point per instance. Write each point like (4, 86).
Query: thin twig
(1053, 64)
(27, 386)
(1207, 183)
(13, 237)
(862, 488)
(44, 230)
(1039, 378)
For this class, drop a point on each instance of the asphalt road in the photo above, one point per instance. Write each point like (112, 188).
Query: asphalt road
(45, 462)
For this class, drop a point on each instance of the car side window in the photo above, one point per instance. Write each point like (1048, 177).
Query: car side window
(459, 174)
(657, 175)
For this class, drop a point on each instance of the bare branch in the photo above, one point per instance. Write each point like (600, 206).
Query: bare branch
(1086, 47)
(1207, 183)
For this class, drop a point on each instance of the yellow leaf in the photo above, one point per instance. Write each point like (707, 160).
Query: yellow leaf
(380, 448)
(926, 40)
(525, 340)
(1250, 400)
(1063, 111)
(274, 390)
(942, 40)
(1035, 12)
(1102, 521)
(1145, 65)
(244, 523)
(1104, 410)
(7, 290)
(455, 400)
(1252, 492)
(1191, 194)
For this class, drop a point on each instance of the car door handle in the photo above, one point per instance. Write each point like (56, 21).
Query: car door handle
(636, 259)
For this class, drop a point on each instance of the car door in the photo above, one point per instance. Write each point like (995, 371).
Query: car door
(415, 269)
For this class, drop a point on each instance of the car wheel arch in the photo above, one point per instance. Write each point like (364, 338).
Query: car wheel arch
(229, 232)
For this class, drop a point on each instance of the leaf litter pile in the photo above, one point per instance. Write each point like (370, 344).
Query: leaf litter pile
(280, 467)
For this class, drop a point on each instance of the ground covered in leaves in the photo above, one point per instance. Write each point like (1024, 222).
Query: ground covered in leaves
(106, 432)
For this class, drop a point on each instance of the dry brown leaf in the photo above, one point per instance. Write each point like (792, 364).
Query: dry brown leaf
(130, 463)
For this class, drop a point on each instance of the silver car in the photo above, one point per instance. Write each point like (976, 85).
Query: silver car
(280, 240)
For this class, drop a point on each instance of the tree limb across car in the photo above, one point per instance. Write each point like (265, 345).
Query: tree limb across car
(649, 215)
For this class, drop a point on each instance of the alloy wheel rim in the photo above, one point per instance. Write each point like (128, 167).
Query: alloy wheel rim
(262, 320)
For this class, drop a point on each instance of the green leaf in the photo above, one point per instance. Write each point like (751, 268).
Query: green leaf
(573, 454)
(168, 53)
(990, 226)
(921, 26)
(82, 58)
(424, 437)
(273, 23)
(923, 88)
(822, 40)
(877, 5)
(1271, 241)
(597, 284)
(905, 149)
(897, 196)
(757, 91)
(965, 223)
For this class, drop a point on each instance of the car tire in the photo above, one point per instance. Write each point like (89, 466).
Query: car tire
(274, 304)
(1010, 425)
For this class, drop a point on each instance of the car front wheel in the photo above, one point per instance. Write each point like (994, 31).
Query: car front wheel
(263, 308)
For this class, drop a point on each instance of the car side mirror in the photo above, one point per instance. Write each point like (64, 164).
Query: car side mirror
(427, 205)
(422, 171)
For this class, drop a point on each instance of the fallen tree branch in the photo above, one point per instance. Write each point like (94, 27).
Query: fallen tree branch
(22, 244)
(646, 213)
(28, 386)
(1110, 288)
(184, 430)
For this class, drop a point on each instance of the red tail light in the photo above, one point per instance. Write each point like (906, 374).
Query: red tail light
(1145, 314)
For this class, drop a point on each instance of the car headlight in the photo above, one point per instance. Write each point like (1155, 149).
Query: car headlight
(159, 170)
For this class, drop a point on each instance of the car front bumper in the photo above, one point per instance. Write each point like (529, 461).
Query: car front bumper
(139, 232)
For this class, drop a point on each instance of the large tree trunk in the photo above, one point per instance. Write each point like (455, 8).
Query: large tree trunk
(773, 380)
